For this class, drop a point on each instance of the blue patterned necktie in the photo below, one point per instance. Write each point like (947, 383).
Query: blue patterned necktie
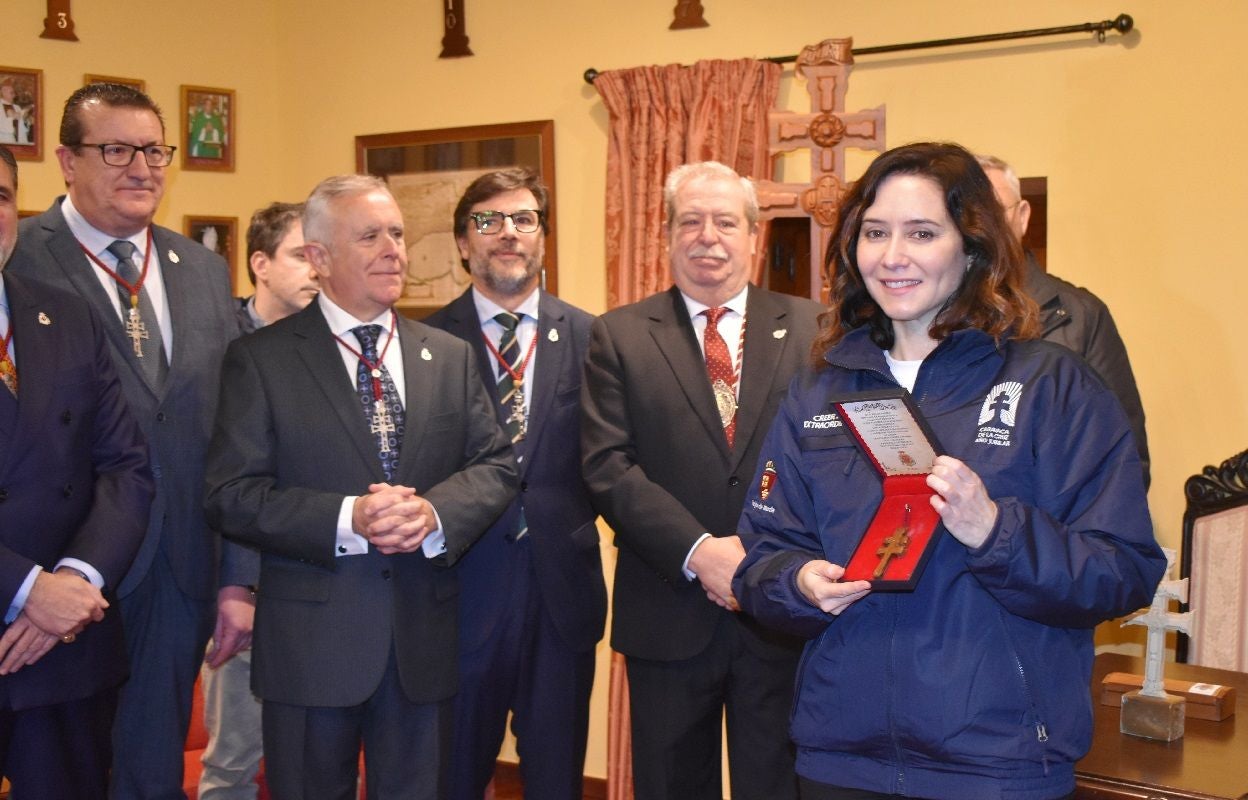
(386, 422)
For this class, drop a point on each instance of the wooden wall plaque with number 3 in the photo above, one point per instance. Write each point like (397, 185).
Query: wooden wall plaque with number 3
(58, 24)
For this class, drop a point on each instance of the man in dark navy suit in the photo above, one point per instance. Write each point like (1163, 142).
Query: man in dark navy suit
(533, 602)
(74, 497)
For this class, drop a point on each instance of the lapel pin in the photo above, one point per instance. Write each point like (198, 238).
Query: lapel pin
(553, 335)
(44, 319)
(425, 354)
(779, 334)
(174, 257)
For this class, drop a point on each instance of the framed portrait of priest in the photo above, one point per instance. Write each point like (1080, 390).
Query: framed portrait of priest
(21, 112)
(208, 128)
(218, 234)
(428, 171)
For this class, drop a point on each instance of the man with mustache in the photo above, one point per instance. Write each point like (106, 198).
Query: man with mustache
(680, 389)
(533, 603)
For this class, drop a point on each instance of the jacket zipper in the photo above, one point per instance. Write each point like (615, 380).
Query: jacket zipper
(1042, 731)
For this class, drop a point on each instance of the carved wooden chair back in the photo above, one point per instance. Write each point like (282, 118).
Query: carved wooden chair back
(1215, 558)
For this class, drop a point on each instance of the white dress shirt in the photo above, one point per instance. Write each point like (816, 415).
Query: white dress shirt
(390, 348)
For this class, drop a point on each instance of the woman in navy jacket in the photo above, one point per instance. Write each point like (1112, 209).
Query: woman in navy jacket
(974, 684)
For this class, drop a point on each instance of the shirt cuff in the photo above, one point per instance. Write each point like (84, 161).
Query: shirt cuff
(349, 543)
(434, 544)
(23, 591)
(91, 573)
(689, 574)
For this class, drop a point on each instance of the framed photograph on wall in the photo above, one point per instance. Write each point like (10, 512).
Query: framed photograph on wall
(427, 172)
(218, 234)
(208, 128)
(21, 112)
(133, 83)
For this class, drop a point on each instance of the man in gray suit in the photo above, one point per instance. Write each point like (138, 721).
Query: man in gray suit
(359, 452)
(170, 316)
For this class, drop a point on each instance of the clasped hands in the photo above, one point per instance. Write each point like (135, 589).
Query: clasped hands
(394, 519)
(60, 605)
(715, 561)
(964, 506)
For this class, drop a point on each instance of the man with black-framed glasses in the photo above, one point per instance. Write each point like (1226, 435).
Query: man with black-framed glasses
(532, 603)
(168, 315)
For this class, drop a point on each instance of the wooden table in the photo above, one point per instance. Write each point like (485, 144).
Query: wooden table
(1210, 761)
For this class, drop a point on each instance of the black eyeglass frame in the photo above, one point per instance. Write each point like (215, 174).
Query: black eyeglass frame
(166, 149)
(479, 218)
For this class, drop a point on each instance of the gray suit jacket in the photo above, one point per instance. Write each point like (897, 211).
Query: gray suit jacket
(177, 422)
(289, 445)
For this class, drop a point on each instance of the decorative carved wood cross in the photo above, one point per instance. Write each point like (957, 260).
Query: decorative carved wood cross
(827, 130)
(58, 24)
(455, 38)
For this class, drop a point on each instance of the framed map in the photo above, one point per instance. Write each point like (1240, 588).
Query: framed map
(428, 171)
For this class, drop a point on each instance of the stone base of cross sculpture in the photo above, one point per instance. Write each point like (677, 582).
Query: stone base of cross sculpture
(1153, 717)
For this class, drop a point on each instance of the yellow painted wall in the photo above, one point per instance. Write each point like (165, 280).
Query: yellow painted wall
(1141, 137)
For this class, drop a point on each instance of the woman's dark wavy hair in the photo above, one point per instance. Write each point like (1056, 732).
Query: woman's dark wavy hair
(990, 296)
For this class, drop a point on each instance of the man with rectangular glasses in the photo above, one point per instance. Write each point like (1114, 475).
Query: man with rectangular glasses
(533, 603)
(169, 316)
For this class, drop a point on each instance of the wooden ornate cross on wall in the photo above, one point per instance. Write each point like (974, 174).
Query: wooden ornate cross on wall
(58, 24)
(827, 130)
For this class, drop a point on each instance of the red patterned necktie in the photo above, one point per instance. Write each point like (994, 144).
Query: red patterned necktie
(719, 370)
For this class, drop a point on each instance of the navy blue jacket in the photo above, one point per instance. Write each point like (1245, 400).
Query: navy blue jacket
(974, 685)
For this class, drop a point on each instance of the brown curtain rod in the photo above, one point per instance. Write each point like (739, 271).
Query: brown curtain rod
(1122, 23)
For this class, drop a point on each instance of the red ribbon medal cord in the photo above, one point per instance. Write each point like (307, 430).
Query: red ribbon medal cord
(134, 323)
(517, 375)
(374, 367)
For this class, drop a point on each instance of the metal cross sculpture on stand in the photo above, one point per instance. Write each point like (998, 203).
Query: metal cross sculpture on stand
(1149, 711)
(826, 131)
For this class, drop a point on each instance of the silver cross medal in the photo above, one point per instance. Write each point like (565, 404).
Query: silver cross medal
(517, 411)
(135, 329)
(381, 419)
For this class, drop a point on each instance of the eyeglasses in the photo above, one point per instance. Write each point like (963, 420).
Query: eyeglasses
(116, 154)
(491, 222)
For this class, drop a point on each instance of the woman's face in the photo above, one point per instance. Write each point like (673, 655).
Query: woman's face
(910, 252)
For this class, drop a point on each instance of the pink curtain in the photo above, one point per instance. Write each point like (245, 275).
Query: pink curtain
(662, 117)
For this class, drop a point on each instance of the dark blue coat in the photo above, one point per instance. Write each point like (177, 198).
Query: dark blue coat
(976, 683)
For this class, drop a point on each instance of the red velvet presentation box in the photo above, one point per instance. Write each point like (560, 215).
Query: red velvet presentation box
(893, 435)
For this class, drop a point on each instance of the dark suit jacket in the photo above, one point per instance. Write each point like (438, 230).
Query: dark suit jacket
(289, 444)
(177, 422)
(1078, 319)
(657, 462)
(74, 481)
(556, 503)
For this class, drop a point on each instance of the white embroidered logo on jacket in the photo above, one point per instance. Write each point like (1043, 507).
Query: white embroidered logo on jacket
(1001, 401)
